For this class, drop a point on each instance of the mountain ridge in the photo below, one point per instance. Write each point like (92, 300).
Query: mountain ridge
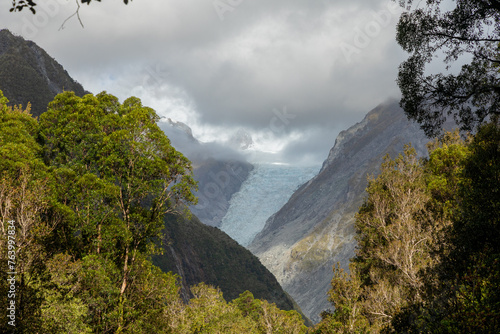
(202, 253)
(315, 229)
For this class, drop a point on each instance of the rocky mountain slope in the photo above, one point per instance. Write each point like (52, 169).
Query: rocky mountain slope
(29, 74)
(315, 229)
(201, 253)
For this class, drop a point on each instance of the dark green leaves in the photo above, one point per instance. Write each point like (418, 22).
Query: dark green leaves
(126, 175)
(19, 5)
(468, 35)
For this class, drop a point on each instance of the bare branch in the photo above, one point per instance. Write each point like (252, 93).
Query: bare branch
(77, 13)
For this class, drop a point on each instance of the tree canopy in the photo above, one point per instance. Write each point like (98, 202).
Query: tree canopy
(428, 257)
(467, 35)
(84, 192)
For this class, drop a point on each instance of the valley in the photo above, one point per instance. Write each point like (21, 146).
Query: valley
(300, 234)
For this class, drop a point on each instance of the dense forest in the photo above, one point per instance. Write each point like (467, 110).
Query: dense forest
(84, 190)
(83, 195)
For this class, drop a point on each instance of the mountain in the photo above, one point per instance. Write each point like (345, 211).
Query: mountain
(220, 171)
(195, 248)
(29, 74)
(315, 229)
(202, 253)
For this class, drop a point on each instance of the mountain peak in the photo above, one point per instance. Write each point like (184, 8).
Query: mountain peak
(382, 113)
(181, 126)
(29, 74)
(315, 229)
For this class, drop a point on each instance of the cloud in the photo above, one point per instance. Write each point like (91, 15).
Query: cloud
(221, 65)
(182, 139)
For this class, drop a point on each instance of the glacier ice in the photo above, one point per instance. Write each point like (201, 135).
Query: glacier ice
(266, 190)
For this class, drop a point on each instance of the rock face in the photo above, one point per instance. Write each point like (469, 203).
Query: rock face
(315, 229)
(29, 74)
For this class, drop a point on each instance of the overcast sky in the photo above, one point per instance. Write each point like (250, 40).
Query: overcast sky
(292, 73)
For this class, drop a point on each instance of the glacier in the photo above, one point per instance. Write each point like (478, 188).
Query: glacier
(264, 192)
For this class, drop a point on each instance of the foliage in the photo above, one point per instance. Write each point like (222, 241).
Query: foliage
(478, 226)
(19, 5)
(208, 312)
(347, 295)
(119, 177)
(393, 246)
(24, 197)
(88, 188)
(468, 296)
(469, 33)
(428, 257)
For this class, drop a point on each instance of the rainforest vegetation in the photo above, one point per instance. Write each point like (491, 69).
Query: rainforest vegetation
(83, 195)
(428, 256)
(84, 190)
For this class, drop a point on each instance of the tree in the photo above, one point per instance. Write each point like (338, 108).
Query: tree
(347, 296)
(19, 5)
(394, 236)
(25, 188)
(87, 188)
(472, 269)
(267, 317)
(402, 232)
(118, 177)
(467, 34)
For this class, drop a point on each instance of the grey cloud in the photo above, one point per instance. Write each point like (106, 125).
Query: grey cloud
(197, 151)
(233, 70)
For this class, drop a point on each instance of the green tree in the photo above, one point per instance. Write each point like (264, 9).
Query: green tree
(469, 297)
(468, 34)
(478, 226)
(118, 177)
(208, 312)
(267, 317)
(402, 231)
(25, 188)
(61, 310)
(346, 294)
(88, 188)
(443, 175)
(462, 282)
